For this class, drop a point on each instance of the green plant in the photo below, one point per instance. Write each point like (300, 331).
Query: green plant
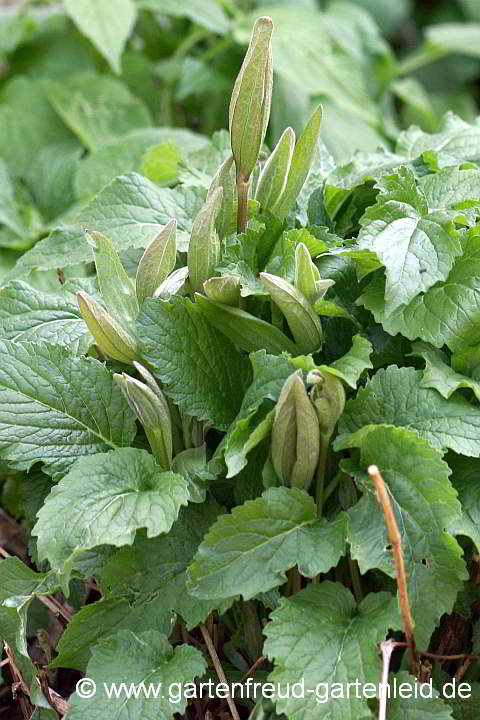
(188, 413)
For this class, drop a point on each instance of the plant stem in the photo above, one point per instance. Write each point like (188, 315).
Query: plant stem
(219, 669)
(321, 473)
(356, 579)
(423, 57)
(253, 629)
(242, 212)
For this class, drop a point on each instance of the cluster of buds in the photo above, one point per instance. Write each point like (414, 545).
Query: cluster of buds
(112, 324)
(303, 422)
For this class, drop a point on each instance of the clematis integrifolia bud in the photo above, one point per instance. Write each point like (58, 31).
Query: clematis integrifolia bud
(328, 398)
(295, 435)
(204, 250)
(112, 339)
(157, 262)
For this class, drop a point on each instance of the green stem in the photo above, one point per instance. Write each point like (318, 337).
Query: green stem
(423, 57)
(356, 579)
(332, 486)
(253, 629)
(242, 212)
(196, 36)
(321, 473)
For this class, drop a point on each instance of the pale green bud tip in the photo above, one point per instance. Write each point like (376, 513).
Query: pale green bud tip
(157, 262)
(328, 397)
(251, 99)
(110, 336)
(223, 289)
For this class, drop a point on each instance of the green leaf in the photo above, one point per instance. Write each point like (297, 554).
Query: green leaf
(107, 497)
(134, 658)
(450, 37)
(56, 408)
(425, 504)
(157, 567)
(131, 210)
(395, 396)
(320, 636)
(456, 140)
(101, 620)
(125, 154)
(417, 248)
(9, 208)
(107, 26)
(209, 13)
(27, 314)
(28, 123)
(97, 108)
(401, 706)
(439, 375)
(452, 189)
(351, 366)
(51, 175)
(464, 479)
(200, 367)
(250, 550)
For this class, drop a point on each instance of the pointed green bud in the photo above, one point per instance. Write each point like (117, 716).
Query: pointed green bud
(227, 215)
(151, 409)
(301, 162)
(273, 179)
(157, 262)
(118, 291)
(295, 435)
(251, 98)
(175, 284)
(303, 322)
(328, 398)
(307, 275)
(110, 336)
(245, 330)
(224, 289)
(204, 249)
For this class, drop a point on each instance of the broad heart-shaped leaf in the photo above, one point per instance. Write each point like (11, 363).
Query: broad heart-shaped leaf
(202, 371)
(447, 314)
(157, 567)
(465, 479)
(250, 550)
(102, 619)
(104, 500)
(131, 210)
(18, 586)
(425, 505)
(456, 141)
(97, 108)
(107, 26)
(395, 396)
(29, 314)
(321, 638)
(439, 375)
(147, 657)
(56, 408)
(417, 248)
(402, 707)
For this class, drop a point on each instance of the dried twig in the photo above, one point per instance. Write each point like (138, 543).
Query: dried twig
(396, 542)
(251, 671)
(219, 669)
(19, 685)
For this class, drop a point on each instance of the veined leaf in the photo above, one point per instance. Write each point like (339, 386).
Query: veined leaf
(56, 408)
(250, 550)
(321, 637)
(439, 375)
(395, 396)
(105, 499)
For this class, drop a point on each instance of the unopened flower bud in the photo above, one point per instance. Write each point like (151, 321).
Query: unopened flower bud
(151, 408)
(112, 339)
(295, 435)
(273, 179)
(157, 262)
(307, 275)
(224, 289)
(328, 398)
(225, 178)
(174, 284)
(301, 318)
(204, 249)
(118, 291)
(251, 98)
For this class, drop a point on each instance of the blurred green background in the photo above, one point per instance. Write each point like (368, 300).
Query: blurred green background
(90, 89)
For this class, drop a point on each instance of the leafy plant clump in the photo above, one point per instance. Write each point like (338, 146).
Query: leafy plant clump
(188, 421)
